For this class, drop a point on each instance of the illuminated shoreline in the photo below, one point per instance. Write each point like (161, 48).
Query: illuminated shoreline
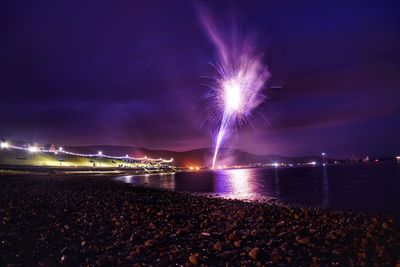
(60, 150)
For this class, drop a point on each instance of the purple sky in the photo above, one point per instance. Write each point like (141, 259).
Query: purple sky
(129, 73)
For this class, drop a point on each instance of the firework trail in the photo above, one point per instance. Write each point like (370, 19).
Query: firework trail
(237, 90)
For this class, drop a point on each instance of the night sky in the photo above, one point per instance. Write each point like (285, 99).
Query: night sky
(129, 73)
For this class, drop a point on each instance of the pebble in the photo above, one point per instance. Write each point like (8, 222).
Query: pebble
(217, 246)
(193, 259)
(303, 240)
(233, 237)
(237, 243)
(92, 220)
(254, 253)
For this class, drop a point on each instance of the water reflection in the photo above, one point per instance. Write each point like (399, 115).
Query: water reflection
(236, 184)
(373, 188)
(325, 187)
(277, 187)
(163, 181)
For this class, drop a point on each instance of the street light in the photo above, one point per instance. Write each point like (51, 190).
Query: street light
(60, 149)
(323, 158)
(100, 153)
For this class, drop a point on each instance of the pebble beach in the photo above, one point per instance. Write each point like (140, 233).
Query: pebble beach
(89, 220)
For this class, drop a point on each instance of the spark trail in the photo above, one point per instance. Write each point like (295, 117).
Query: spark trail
(237, 90)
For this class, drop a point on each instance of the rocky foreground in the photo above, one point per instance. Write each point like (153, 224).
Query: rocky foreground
(93, 221)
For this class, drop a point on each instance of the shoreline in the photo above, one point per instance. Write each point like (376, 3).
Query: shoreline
(94, 220)
(258, 199)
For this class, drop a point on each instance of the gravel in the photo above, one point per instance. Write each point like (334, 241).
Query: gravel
(94, 221)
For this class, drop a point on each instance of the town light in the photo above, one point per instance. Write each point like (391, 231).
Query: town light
(4, 145)
(33, 149)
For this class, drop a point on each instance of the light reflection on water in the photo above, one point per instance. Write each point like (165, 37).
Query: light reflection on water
(231, 183)
(236, 184)
(374, 188)
(325, 187)
(277, 192)
(163, 181)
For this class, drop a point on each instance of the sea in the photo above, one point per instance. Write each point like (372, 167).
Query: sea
(370, 188)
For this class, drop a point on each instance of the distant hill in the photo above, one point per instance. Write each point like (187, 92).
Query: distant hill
(196, 157)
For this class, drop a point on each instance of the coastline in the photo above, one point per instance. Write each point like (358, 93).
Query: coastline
(92, 220)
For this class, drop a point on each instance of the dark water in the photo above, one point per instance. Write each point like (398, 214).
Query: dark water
(370, 188)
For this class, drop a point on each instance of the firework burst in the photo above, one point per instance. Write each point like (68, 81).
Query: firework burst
(241, 76)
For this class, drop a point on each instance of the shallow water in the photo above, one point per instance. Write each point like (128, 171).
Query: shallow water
(370, 188)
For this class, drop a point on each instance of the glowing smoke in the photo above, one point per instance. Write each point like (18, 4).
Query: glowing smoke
(238, 86)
